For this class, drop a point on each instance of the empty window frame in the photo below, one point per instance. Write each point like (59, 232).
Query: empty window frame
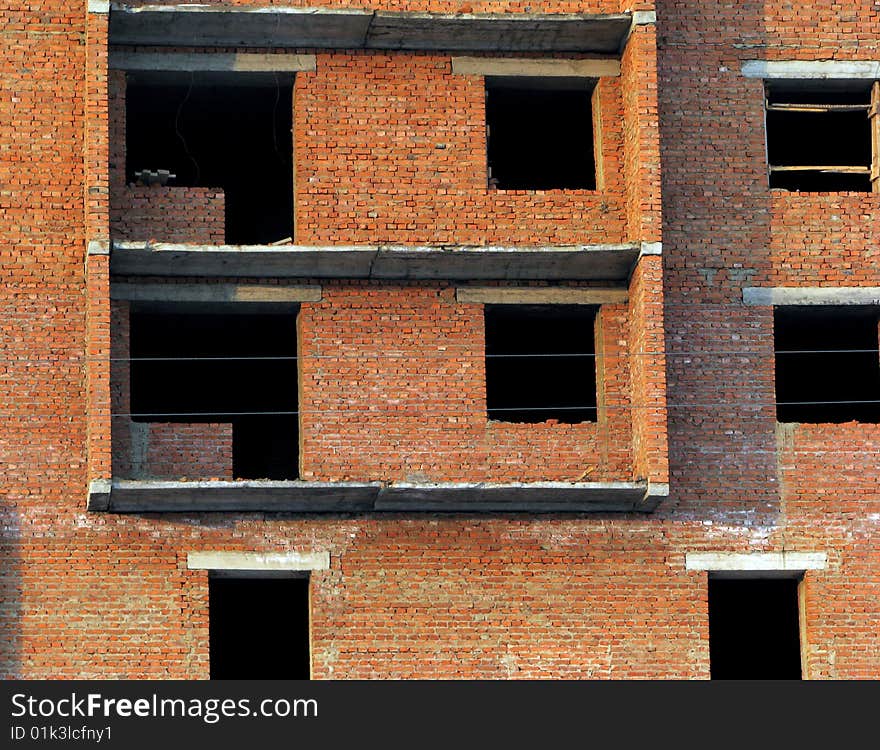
(539, 133)
(222, 365)
(754, 629)
(827, 364)
(259, 627)
(541, 363)
(824, 137)
(230, 131)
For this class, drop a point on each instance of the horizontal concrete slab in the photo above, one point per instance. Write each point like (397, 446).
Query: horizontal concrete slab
(790, 295)
(197, 62)
(214, 292)
(258, 561)
(812, 69)
(576, 262)
(514, 295)
(519, 66)
(138, 496)
(772, 564)
(278, 26)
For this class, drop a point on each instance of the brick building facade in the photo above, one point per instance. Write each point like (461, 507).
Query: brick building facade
(303, 354)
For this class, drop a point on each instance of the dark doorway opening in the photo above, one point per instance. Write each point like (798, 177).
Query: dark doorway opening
(540, 134)
(259, 628)
(190, 365)
(754, 631)
(540, 363)
(219, 131)
(827, 364)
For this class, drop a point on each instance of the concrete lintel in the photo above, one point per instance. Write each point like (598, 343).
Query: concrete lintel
(98, 247)
(513, 295)
(140, 496)
(811, 69)
(518, 66)
(239, 62)
(99, 6)
(99, 495)
(782, 295)
(258, 561)
(644, 17)
(611, 263)
(275, 26)
(216, 292)
(650, 248)
(748, 562)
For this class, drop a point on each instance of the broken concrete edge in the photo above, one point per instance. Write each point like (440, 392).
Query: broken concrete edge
(517, 295)
(133, 496)
(99, 495)
(536, 68)
(445, 248)
(99, 6)
(98, 247)
(214, 292)
(782, 296)
(811, 69)
(203, 62)
(752, 562)
(258, 561)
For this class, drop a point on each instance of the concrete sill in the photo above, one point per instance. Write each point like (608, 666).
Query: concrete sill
(142, 496)
(325, 28)
(381, 262)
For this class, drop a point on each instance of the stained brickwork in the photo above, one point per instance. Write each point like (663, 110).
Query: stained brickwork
(394, 372)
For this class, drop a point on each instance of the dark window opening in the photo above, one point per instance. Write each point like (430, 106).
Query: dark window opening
(259, 628)
(540, 363)
(819, 139)
(540, 134)
(224, 367)
(827, 364)
(212, 134)
(754, 631)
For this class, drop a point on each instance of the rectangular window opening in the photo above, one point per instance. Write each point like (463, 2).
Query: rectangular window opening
(754, 629)
(540, 133)
(819, 136)
(222, 131)
(541, 363)
(221, 366)
(259, 627)
(827, 364)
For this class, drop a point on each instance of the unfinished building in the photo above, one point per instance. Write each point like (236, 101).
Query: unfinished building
(426, 339)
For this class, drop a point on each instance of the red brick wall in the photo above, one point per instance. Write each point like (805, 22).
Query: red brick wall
(395, 375)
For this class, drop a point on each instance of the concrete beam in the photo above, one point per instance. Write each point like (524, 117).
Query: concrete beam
(512, 295)
(258, 561)
(812, 69)
(278, 26)
(518, 66)
(140, 496)
(576, 262)
(755, 564)
(212, 293)
(238, 62)
(782, 295)
(99, 6)
(98, 247)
